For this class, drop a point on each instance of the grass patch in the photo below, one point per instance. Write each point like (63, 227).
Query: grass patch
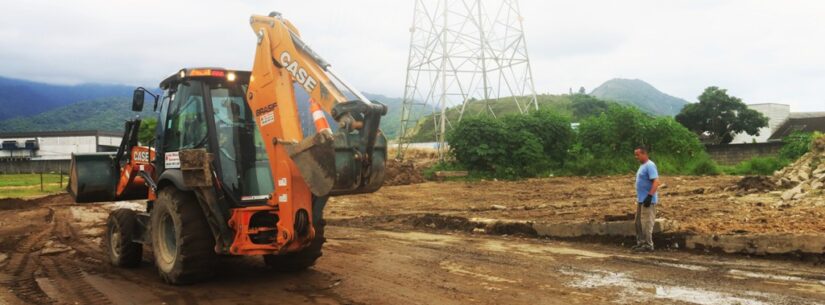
(28, 185)
(29, 179)
(756, 166)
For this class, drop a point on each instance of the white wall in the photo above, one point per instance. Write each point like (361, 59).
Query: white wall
(109, 141)
(776, 113)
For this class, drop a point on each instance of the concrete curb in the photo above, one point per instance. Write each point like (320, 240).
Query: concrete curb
(626, 228)
(758, 244)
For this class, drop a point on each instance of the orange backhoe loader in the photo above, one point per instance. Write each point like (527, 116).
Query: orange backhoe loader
(230, 171)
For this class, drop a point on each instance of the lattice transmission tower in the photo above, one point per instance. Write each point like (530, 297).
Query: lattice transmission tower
(463, 55)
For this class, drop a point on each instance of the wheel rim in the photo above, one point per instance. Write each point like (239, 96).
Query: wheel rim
(168, 241)
(114, 240)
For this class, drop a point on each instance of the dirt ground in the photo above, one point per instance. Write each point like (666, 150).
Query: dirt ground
(383, 249)
(49, 254)
(703, 205)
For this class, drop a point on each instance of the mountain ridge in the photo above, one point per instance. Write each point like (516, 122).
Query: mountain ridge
(22, 98)
(641, 94)
(106, 107)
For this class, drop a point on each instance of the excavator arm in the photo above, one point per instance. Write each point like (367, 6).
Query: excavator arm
(282, 59)
(305, 171)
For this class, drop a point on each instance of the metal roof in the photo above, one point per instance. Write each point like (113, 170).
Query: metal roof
(805, 122)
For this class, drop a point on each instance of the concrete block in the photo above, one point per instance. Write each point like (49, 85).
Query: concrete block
(760, 244)
(612, 228)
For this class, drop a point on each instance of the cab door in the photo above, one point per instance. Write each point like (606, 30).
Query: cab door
(185, 125)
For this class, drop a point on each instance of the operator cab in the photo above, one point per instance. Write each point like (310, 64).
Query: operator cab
(207, 108)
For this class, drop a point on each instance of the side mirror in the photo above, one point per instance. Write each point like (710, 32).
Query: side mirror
(137, 100)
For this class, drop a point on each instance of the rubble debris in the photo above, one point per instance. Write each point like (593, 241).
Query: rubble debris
(805, 176)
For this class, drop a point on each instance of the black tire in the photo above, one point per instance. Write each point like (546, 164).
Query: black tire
(118, 243)
(182, 242)
(301, 260)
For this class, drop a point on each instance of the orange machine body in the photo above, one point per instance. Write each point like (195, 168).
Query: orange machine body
(131, 184)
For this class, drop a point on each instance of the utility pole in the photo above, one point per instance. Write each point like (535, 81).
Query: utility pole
(462, 51)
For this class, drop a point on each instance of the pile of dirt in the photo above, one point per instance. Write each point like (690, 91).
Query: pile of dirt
(14, 204)
(752, 184)
(437, 221)
(402, 173)
(806, 176)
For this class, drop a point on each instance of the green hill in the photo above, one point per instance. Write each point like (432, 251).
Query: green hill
(638, 93)
(100, 114)
(390, 123)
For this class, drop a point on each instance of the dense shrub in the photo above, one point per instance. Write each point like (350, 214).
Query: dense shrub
(757, 166)
(543, 142)
(516, 146)
(552, 130)
(704, 166)
(479, 143)
(527, 158)
(796, 145)
(606, 143)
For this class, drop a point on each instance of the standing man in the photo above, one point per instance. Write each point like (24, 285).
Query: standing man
(647, 182)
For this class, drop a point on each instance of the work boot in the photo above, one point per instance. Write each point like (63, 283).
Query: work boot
(643, 248)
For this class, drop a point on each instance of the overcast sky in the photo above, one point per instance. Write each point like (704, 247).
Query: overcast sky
(761, 51)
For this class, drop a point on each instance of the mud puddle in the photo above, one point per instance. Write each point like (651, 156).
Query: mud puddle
(634, 291)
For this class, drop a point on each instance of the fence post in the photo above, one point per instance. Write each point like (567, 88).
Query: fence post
(41, 181)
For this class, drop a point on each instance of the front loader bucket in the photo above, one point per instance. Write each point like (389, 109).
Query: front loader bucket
(93, 177)
(315, 159)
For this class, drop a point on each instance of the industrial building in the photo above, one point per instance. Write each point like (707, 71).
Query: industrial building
(51, 151)
(781, 123)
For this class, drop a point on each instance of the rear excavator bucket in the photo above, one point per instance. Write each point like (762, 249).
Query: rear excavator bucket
(351, 160)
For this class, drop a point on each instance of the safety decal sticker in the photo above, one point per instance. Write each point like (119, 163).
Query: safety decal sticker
(267, 118)
(171, 160)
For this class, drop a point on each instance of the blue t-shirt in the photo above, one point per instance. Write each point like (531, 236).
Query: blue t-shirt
(644, 181)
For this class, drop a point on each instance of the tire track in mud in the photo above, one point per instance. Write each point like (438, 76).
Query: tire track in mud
(23, 264)
(69, 274)
(71, 280)
(27, 269)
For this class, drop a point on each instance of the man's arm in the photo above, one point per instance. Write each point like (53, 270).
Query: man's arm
(654, 187)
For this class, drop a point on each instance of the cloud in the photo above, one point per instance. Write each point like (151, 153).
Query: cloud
(760, 50)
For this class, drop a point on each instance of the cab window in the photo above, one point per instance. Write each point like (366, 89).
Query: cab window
(186, 123)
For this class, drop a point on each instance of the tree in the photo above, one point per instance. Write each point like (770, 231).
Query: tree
(587, 105)
(718, 117)
(582, 91)
(552, 131)
(146, 134)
